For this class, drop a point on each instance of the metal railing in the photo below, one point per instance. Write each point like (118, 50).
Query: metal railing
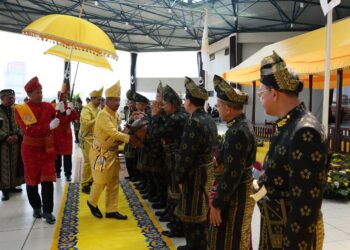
(265, 131)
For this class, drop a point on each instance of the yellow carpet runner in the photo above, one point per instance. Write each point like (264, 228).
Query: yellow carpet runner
(78, 229)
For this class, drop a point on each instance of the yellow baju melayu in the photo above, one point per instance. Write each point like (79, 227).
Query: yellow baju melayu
(87, 121)
(104, 159)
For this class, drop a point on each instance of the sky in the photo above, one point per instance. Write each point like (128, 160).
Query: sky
(22, 57)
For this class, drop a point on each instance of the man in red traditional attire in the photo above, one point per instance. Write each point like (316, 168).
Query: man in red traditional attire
(37, 120)
(63, 134)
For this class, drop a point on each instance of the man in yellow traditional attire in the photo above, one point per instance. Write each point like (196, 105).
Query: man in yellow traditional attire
(104, 156)
(87, 121)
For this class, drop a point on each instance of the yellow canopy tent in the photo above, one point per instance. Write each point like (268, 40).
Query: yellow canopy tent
(305, 54)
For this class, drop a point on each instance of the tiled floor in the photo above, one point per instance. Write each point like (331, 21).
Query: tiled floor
(19, 230)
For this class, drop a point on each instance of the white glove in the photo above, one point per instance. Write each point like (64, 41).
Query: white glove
(60, 107)
(54, 123)
(70, 105)
(68, 111)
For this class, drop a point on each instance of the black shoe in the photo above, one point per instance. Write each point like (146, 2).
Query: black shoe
(86, 189)
(76, 141)
(50, 219)
(37, 213)
(164, 218)
(127, 178)
(94, 210)
(145, 197)
(154, 199)
(133, 179)
(168, 225)
(5, 197)
(58, 175)
(159, 205)
(16, 190)
(182, 248)
(140, 187)
(161, 213)
(68, 179)
(116, 215)
(171, 234)
(143, 192)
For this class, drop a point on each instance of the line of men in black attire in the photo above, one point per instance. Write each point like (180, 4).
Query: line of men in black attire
(176, 170)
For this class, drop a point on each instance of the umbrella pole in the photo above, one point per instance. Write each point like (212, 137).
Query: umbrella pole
(75, 77)
(254, 98)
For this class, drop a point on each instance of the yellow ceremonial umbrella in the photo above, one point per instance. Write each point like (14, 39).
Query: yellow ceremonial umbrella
(72, 32)
(79, 56)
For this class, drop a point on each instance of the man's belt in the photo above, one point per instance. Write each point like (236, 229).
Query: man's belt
(103, 146)
(35, 142)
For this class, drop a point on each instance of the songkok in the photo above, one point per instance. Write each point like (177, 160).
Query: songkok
(113, 91)
(274, 73)
(138, 124)
(7, 92)
(32, 85)
(193, 91)
(140, 98)
(79, 100)
(170, 95)
(96, 93)
(130, 95)
(160, 88)
(226, 92)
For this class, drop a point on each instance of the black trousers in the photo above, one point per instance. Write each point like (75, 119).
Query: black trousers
(46, 196)
(196, 235)
(67, 164)
(131, 166)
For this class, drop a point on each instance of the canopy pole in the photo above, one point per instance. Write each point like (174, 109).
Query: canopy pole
(338, 115)
(254, 99)
(310, 92)
(325, 109)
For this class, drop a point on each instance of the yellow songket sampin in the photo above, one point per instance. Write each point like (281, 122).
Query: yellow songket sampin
(26, 114)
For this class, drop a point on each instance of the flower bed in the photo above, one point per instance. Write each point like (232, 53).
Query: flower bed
(338, 180)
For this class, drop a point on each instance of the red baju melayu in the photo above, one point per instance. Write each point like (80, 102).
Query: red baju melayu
(63, 133)
(38, 151)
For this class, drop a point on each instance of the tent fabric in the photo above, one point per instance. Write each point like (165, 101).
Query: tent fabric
(305, 54)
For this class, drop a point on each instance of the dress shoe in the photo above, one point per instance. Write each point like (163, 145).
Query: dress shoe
(140, 187)
(58, 175)
(143, 192)
(68, 178)
(37, 213)
(159, 205)
(154, 199)
(116, 215)
(161, 213)
(183, 248)
(164, 218)
(95, 211)
(145, 196)
(50, 219)
(171, 234)
(16, 190)
(127, 178)
(5, 197)
(134, 179)
(86, 189)
(168, 225)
